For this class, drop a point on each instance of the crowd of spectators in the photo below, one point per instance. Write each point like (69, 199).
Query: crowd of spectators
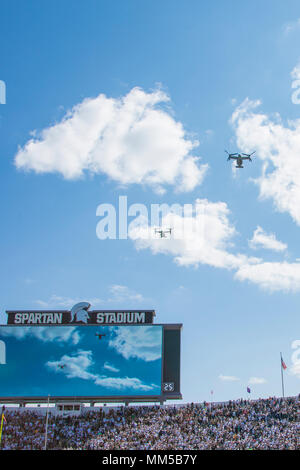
(263, 424)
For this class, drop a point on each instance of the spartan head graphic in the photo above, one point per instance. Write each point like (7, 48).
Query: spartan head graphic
(79, 312)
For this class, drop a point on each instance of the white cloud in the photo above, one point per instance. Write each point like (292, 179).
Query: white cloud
(209, 132)
(278, 147)
(56, 301)
(64, 334)
(261, 239)
(296, 84)
(228, 378)
(118, 293)
(120, 383)
(295, 73)
(141, 343)
(203, 237)
(281, 276)
(295, 367)
(291, 26)
(77, 365)
(110, 367)
(257, 380)
(123, 293)
(130, 139)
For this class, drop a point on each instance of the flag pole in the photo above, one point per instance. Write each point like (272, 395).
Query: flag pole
(282, 383)
(46, 431)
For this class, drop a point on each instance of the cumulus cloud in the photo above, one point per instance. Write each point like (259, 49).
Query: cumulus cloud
(261, 239)
(141, 343)
(278, 147)
(47, 334)
(272, 276)
(201, 236)
(130, 139)
(77, 365)
(204, 236)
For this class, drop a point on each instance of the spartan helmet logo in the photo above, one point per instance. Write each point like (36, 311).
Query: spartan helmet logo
(79, 312)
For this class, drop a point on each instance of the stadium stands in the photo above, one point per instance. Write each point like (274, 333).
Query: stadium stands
(263, 424)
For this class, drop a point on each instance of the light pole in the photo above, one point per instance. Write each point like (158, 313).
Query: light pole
(46, 431)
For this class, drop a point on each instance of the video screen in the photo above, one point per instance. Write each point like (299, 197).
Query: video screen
(80, 361)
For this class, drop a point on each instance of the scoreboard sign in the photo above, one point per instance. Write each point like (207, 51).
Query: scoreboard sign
(97, 356)
(79, 314)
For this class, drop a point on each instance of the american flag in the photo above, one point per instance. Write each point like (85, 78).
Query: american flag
(283, 365)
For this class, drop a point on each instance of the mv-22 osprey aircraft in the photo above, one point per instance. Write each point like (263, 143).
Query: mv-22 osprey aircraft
(99, 335)
(239, 157)
(162, 233)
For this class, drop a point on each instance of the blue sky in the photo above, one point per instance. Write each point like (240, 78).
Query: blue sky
(213, 62)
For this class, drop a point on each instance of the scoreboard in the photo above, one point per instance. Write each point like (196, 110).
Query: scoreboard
(103, 362)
